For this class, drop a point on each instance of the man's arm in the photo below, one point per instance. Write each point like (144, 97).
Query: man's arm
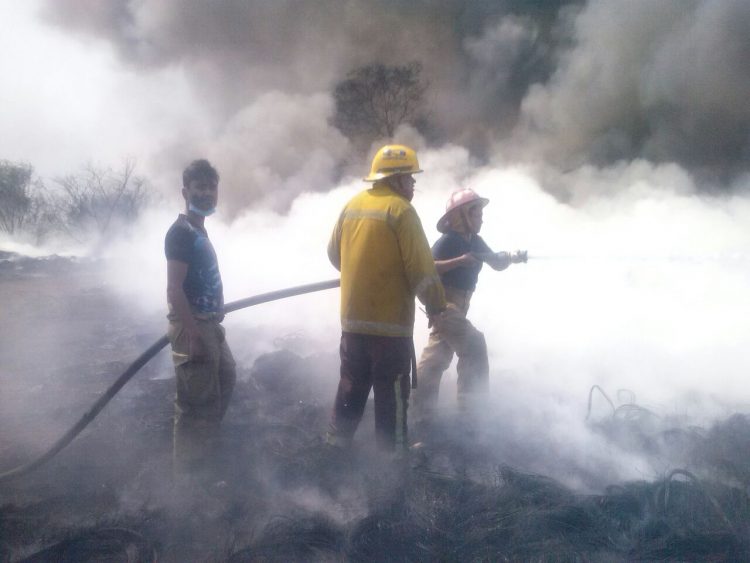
(176, 274)
(501, 260)
(419, 265)
(334, 245)
(498, 261)
(449, 264)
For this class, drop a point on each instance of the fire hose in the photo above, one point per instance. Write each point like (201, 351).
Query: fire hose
(141, 361)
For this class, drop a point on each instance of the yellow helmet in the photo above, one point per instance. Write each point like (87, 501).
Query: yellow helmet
(391, 160)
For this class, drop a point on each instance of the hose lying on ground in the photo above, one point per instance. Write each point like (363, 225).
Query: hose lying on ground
(142, 360)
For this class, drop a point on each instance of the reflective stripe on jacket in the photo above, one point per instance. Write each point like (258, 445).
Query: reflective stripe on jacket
(380, 248)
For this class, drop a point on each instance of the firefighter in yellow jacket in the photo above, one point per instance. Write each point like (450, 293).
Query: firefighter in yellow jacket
(380, 248)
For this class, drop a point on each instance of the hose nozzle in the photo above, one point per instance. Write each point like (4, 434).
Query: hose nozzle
(520, 256)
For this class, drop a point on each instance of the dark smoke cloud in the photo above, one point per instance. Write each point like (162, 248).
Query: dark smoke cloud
(237, 50)
(666, 81)
(565, 82)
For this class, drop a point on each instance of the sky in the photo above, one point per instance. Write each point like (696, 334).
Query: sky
(611, 138)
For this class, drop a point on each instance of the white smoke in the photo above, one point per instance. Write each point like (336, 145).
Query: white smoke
(278, 148)
(644, 286)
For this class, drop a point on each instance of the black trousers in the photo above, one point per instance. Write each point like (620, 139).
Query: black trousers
(381, 363)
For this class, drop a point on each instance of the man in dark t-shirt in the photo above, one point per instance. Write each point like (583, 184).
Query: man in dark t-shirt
(202, 285)
(204, 367)
(459, 256)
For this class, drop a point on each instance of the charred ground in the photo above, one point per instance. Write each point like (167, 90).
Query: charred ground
(277, 494)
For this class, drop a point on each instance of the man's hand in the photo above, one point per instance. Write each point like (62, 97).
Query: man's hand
(176, 274)
(435, 320)
(468, 259)
(520, 256)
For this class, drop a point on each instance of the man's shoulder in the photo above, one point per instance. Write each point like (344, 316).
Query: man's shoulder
(179, 231)
(396, 204)
(479, 244)
(359, 196)
(381, 200)
(357, 200)
(450, 245)
(451, 237)
(179, 223)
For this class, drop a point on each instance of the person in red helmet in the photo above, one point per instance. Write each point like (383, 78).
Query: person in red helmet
(459, 256)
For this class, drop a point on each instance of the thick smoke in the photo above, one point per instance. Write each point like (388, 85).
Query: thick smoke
(264, 73)
(642, 285)
(666, 81)
(568, 83)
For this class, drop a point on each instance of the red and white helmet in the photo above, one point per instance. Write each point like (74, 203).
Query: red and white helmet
(458, 199)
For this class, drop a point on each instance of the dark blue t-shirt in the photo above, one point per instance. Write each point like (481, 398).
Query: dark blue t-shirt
(202, 285)
(453, 245)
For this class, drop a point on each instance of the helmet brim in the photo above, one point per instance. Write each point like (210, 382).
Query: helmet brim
(380, 175)
(444, 224)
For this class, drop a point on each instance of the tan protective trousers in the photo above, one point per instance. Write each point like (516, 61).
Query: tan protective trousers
(456, 335)
(203, 391)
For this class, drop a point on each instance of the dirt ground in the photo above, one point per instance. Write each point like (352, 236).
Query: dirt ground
(276, 493)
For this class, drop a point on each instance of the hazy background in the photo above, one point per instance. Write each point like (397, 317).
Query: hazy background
(611, 138)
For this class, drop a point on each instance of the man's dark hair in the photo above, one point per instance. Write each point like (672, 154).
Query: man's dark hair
(198, 170)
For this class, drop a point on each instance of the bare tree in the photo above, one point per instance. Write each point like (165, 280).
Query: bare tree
(97, 199)
(15, 196)
(375, 99)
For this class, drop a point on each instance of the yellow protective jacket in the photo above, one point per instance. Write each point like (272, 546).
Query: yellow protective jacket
(380, 248)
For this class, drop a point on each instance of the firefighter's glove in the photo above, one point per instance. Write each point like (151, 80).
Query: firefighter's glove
(503, 260)
(519, 256)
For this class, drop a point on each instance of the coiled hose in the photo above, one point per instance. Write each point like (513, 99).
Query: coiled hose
(141, 361)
